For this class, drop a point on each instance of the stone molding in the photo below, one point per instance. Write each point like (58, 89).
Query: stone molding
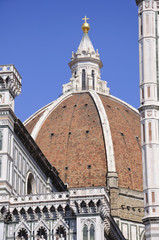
(106, 131)
(46, 113)
(88, 202)
(11, 79)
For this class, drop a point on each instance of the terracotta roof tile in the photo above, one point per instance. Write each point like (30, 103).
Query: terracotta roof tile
(72, 140)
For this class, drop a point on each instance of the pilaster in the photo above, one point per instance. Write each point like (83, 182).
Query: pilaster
(10, 87)
(2, 230)
(149, 112)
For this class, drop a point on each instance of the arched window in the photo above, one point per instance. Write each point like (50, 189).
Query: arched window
(92, 232)
(31, 187)
(1, 139)
(2, 84)
(91, 207)
(1, 98)
(93, 79)
(85, 232)
(88, 232)
(83, 79)
(0, 167)
(83, 207)
(60, 233)
(22, 234)
(41, 234)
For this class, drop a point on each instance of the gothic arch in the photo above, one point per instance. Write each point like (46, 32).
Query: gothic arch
(83, 79)
(42, 226)
(93, 79)
(22, 234)
(60, 227)
(83, 206)
(88, 229)
(85, 232)
(22, 229)
(2, 83)
(41, 233)
(92, 207)
(68, 211)
(30, 183)
(88, 222)
(60, 232)
(99, 205)
(1, 142)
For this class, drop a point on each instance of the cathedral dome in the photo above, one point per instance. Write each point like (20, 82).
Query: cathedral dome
(89, 136)
(86, 135)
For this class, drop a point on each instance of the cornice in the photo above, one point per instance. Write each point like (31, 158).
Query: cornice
(150, 219)
(5, 110)
(145, 107)
(139, 1)
(86, 59)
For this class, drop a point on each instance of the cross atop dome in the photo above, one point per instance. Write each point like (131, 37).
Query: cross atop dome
(85, 19)
(85, 25)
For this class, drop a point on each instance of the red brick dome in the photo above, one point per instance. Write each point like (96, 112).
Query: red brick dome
(86, 135)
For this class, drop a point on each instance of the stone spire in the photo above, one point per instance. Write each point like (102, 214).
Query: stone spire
(85, 66)
(86, 47)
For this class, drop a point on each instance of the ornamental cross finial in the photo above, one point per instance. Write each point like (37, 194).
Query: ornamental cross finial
(85, 19)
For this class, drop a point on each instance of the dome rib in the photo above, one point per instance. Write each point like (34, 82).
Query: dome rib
(90, 147)
(81, 159)
(104, 122)
(125, 129)
(46, 113)
(106, 132)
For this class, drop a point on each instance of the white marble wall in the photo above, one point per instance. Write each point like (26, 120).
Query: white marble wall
(149, 110)
(131, 230)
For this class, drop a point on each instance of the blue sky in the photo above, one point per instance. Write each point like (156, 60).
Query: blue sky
(38, 37)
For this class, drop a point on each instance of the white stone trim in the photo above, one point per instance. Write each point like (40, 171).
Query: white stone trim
(44, 108)
(28, 120)
(46, 113)
(102, 114)
(124, 103)
(40, 224)
(121, 101)
(106, 131)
